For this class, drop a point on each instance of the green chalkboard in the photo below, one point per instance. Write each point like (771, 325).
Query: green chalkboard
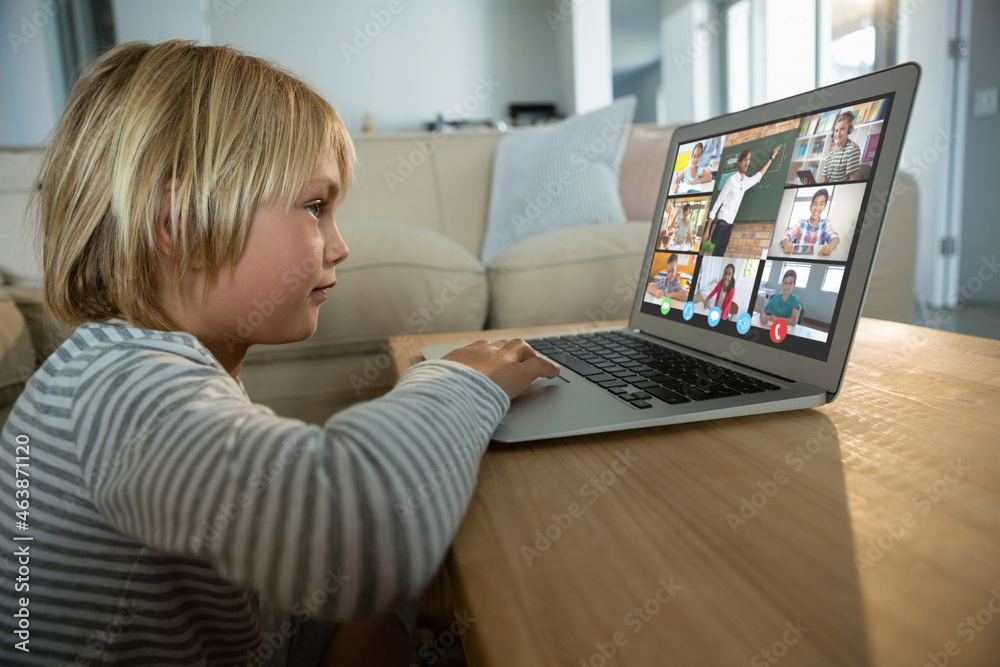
(760, 202)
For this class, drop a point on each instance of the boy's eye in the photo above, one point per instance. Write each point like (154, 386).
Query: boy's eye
(315, 208)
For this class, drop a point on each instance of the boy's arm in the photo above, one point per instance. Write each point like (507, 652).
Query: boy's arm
(339, 522)
(791, 237)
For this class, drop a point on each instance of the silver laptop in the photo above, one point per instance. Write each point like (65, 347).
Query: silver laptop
(757, 311)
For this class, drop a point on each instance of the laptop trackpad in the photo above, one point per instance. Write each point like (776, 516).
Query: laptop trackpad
(543, 386)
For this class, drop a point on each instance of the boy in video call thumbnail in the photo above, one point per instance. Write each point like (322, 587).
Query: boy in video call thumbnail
(844, 160)
(813, 230)
(666, 283)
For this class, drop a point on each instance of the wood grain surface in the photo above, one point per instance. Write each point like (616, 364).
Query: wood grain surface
(866, 532)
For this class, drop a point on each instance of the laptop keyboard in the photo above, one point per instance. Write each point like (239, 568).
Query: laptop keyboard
(636, 371)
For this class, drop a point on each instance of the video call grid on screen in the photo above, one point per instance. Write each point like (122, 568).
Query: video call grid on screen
(756, 250)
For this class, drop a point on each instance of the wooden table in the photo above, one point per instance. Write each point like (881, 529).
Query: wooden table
(866, 532)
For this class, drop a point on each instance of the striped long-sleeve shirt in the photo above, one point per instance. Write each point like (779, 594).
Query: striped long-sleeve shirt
(164, 506)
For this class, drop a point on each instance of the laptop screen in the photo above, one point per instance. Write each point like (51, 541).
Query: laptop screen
(760, 225)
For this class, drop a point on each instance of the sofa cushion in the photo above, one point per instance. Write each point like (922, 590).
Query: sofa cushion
(17, 355)
(557, 177)
(399, 279)
(569, 275)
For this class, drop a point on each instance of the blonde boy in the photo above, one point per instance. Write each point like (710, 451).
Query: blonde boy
(174, 521)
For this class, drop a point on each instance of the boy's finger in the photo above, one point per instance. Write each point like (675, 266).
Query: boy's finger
(519, 348)
(542, 367)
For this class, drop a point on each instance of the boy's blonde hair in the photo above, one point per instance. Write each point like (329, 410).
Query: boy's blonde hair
(205, 131)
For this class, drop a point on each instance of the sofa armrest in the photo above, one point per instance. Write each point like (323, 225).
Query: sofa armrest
(17, 353)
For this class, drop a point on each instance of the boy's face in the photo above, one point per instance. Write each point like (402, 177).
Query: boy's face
(787, 285)
(279, 283)
(840, 133)
(817, 207)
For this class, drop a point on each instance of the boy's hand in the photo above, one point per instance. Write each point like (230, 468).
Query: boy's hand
(512, 364)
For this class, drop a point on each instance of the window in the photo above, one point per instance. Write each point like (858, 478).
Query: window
(750, 271)
(847, 43)
(832, 279)
(778, 48)
(801, 272)
(789, 48)
(737, 48)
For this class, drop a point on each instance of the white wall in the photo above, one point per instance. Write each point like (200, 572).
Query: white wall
(6, 128)
(923, 37)
(30, 105)
(402, 61)
(980, 242)
(592, 77)
(155, 20)
(687, 63)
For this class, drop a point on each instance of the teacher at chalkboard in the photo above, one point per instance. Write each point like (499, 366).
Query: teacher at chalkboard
(720, 219)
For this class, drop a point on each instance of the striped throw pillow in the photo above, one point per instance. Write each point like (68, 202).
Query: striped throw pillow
(557, 177)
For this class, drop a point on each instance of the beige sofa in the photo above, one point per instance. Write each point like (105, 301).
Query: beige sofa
(414, 220)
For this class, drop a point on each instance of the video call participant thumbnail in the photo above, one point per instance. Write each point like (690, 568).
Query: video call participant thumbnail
(693, 174)
(783, 305)
(843, 162)
(719, 225)
(666, 283)
(814, 230)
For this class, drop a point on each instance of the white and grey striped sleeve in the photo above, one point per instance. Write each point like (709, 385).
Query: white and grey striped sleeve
(347, 520)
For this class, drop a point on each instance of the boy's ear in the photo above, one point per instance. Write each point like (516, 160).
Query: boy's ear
(164, 231)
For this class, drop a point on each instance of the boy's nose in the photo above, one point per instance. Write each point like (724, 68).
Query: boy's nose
(336, 248)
